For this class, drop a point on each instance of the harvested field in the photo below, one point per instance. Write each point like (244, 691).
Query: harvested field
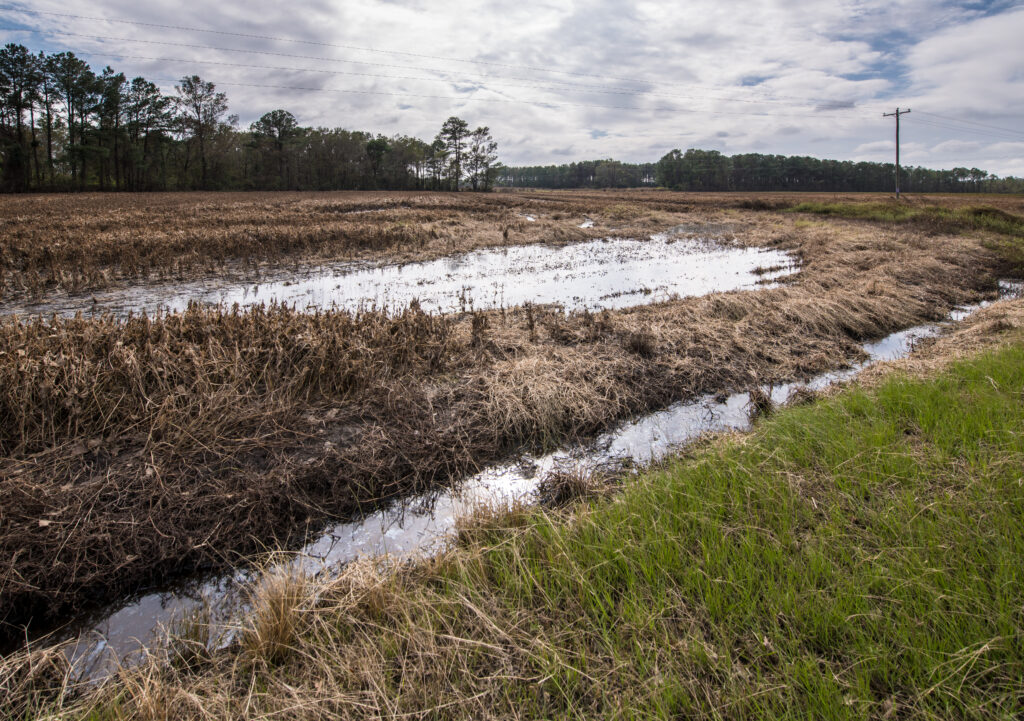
(137, 449)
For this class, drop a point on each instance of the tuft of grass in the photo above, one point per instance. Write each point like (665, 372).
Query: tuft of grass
(576, 482)
(760, 405)
(276, 617)
(189, 640)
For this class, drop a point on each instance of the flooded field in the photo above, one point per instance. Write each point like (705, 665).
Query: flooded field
(608, 273)
(423, 525)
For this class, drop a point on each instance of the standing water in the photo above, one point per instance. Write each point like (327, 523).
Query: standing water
(608, 273)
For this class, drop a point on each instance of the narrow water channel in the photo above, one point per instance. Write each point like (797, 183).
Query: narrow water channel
(423, 525)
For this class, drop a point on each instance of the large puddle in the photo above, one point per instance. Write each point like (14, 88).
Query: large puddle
(423, 525)
(608, 273)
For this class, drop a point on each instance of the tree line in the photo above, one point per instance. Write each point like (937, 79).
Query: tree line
(64, 126)
(710, 170)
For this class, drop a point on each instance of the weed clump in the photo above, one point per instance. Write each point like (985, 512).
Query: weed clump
(760, 404)
(641, 343)
(802, 396)
(575, 482)
(190, 640)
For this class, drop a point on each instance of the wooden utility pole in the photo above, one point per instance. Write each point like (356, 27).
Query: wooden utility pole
(897, 115)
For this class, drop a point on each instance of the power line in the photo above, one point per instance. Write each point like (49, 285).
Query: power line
(973, 122)
(539, 103)
(509, 100)
(988, 134)
(962, 130)
(253, 36)
(358, 62)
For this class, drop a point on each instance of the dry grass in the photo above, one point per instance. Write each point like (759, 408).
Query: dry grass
(277, 615)
(531, 616)
(138, 449)
(577, 482)
(987, 329)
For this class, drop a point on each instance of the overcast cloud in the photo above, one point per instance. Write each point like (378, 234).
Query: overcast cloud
(561, 81)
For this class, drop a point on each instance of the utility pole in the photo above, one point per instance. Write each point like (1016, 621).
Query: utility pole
(897, 115)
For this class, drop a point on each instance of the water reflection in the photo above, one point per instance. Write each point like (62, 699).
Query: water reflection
(606, 273)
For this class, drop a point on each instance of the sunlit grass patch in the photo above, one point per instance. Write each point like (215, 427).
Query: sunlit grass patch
(937, 219)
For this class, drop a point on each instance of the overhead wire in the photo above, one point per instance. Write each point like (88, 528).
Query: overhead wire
(980, 128)
(539, 103)
(362, 48)
(960, 129)
(972, 122)
(593, 88)
(596, 89)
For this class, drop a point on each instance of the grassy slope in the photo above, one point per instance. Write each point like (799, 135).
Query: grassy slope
(1008, 228)
(861, 556)
(863, 553)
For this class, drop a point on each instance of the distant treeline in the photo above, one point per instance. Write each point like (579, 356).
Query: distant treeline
(65, 127)
(709, 170)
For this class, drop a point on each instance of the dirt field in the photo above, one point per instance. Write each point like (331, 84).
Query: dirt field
(134, 450)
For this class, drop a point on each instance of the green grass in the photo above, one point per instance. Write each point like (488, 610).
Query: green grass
(935, 218)
(859, 557)
(861, 554)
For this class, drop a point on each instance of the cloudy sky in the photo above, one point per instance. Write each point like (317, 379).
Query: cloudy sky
(563, 81)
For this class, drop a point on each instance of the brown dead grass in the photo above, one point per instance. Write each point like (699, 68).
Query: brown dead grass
(137, 449)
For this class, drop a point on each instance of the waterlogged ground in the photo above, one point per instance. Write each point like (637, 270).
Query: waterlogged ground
(608, 273)
(422, 525)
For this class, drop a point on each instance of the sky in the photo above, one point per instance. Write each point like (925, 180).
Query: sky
(563, 81)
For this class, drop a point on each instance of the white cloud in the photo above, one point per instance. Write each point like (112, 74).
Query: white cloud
(956, 146)
(878, 146)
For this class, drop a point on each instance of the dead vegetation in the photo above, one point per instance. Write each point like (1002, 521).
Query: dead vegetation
(576, 482)
(134, 450)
